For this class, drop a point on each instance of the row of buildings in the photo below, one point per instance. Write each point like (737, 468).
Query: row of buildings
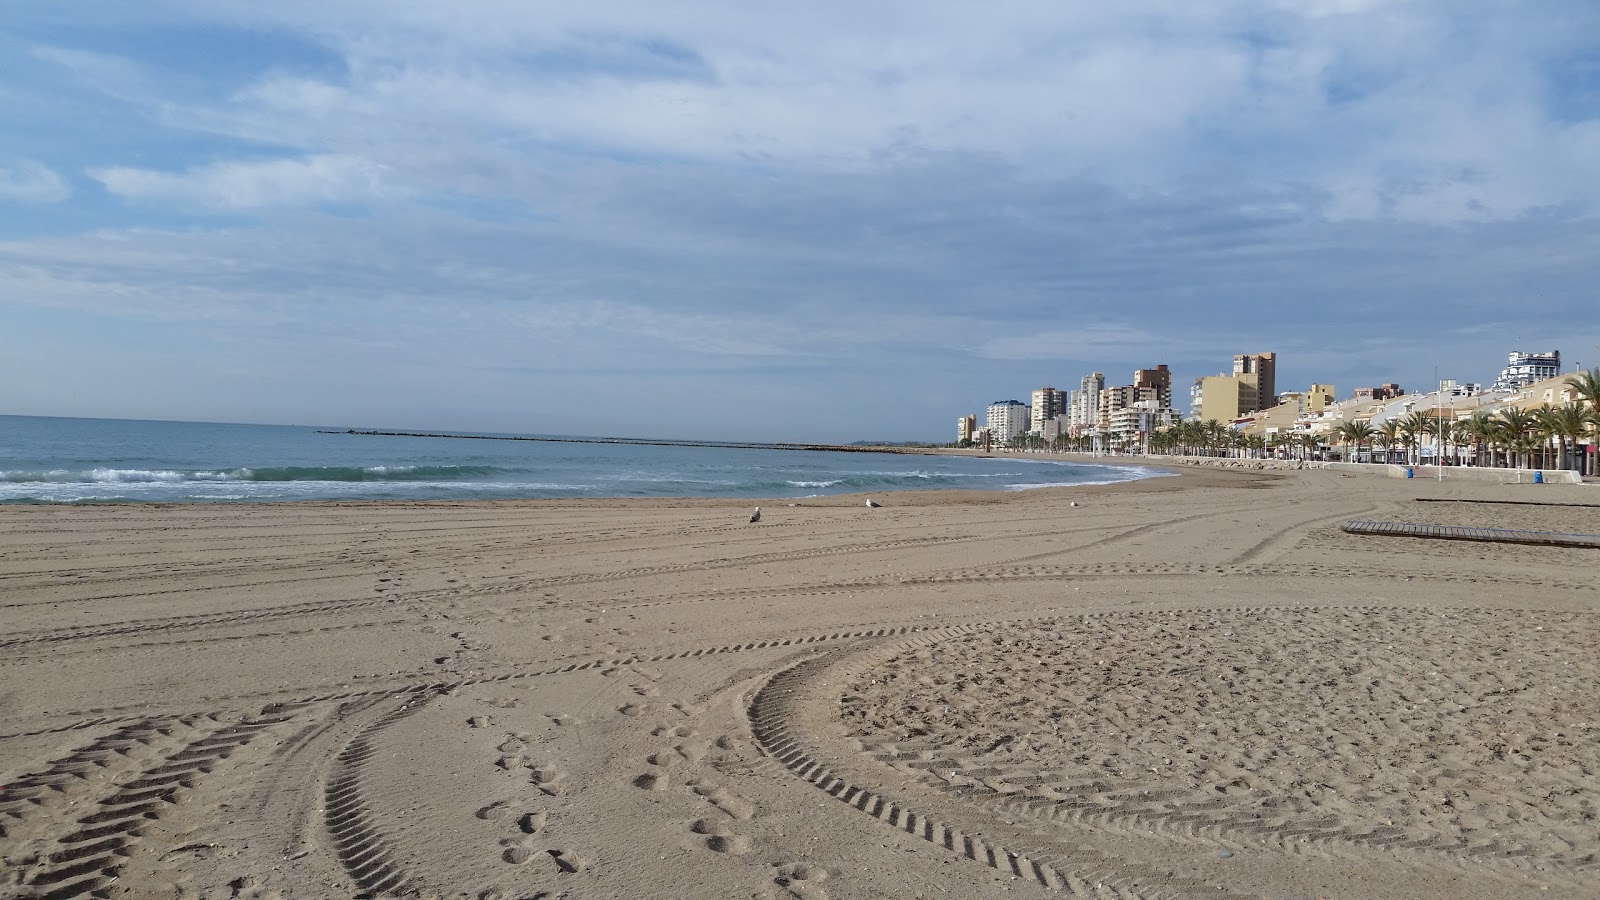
(1140, 407)
(1247, 400)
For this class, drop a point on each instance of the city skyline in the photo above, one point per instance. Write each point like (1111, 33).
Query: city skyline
(1248, 395)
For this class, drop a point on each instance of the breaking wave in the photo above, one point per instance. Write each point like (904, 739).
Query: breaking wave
(106, 475)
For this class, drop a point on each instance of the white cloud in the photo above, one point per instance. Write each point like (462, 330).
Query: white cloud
(26, 181)
(309, 181)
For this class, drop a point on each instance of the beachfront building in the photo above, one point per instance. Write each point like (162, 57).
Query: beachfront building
(1226, 397)
(1525, 368)
(1007, 419)
(965, 426)
(1055, 429)
(1135, 422)
(1084, 409)
(1264, 366)
(1158, 380)
(1319, 397)
(1122, 397)
(1554, 391)
(1047, 404)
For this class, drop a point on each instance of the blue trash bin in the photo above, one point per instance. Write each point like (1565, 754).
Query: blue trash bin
(1409, 472)
(1538, 477)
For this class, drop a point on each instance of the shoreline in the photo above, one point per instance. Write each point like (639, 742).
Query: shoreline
(1191, 477)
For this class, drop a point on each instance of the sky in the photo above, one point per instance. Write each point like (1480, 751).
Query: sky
(817, 222)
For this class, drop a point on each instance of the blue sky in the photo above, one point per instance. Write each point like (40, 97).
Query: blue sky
(777, 221)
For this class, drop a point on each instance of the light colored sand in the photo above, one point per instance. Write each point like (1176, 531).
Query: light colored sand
(1193, 686)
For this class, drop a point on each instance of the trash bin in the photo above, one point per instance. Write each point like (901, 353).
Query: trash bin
(1409, 472)
(1538, 477)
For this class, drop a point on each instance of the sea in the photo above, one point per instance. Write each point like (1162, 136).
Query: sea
(66, 460)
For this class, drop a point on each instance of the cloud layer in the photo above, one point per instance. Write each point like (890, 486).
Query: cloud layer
(824, 206)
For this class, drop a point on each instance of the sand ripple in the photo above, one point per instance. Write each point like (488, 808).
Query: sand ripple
(1470, 732)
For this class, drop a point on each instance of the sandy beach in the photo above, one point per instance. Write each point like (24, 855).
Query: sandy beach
(1191, 686)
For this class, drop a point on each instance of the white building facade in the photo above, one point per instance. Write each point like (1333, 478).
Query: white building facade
(1085, 408)
(1526, 368)
(1007, 419)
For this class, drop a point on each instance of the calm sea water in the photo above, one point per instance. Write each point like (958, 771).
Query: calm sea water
(50, 460)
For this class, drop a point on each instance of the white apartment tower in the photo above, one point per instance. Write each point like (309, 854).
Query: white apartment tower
(1085, 411)
(1007, 419)
(1047, 404)
(1526, 368)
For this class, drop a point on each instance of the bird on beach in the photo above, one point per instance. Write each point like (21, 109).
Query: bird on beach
(873, 504)
(756, 516)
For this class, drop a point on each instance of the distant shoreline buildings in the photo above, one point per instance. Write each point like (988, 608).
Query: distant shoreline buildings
(1245, 403)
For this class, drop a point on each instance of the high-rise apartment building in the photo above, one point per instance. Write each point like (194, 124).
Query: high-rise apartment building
(1526, 368)
(965, 426)
(1121, 397)
(1085, 409)
(1159, 380)
(1225, 397)
(1007, 419)
(1264, 366)
(1047, 404)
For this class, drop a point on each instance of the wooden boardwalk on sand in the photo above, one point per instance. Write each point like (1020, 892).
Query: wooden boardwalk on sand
(1462, 533)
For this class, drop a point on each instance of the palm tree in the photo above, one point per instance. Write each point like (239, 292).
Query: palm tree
(1460, 435)
(1354, 434)
(1587, 387)
(1479, 430)
(1414, 427)
(1390, 433)
(1519, 431)
(1567, 424)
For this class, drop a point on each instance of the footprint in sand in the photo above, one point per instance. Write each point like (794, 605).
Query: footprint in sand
(517, 855)
(494, 810)
(533, 822)
(653, 781)
(721, 838)
(569, 862)
(514, 743)
(726, 800)
(666, 759)
(549, 779)
(803, 880)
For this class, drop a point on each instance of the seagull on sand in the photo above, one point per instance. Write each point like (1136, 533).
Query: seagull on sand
(873, 504)
(756, 516)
